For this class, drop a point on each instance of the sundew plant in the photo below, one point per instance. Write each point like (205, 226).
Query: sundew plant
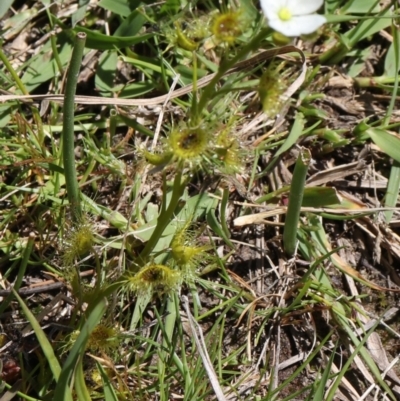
(199, 200)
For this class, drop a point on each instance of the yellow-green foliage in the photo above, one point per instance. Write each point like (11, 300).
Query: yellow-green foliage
(227, 27)
(270, 90)
(154, 278)
(188, 143)
(78, 241)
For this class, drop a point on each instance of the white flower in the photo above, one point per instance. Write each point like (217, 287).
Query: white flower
(293, 17)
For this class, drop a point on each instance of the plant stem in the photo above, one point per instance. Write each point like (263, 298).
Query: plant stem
(13, 73)
(71, 180)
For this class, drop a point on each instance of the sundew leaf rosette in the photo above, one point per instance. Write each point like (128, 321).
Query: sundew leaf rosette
(78, 241)
(187, 254)
(155, 279)
(227, 27)
(188, 143)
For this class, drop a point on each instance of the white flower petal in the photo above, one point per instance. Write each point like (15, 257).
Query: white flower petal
(271, 7)
(297, 26)
(303, 7)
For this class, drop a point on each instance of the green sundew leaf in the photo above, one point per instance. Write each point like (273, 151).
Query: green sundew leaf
(223, 209)
(391, 64)
(388, 143)
(108, 390)
(105, 73)
(132, 25)
(360, 56)
(44, 344)
(369, 27)
(171, 6)
(79, 14)
(15, 24)
(119, 7)
(249, 10)
(5, 115)
(43, 68)
(55, 168)
(62, 390)
(186, 73)
(331, 6)
(194, 208)
(142, 301)
(146, 64)
(392, 192)
(320, 196)
(294, 135)
(337, 19)
(136, 89)
(362, 7)
(217, 228)
(4, 7)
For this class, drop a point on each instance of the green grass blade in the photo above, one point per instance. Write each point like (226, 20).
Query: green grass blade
(21, 274)
(295, 201)
(388, 143)
(392, 191)
(217, 228)
(109, 392)
(168, 330)
(62, 391)
(80, 386)
(41, 337)
(319, 393)
(298, 371)
(359, 349)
